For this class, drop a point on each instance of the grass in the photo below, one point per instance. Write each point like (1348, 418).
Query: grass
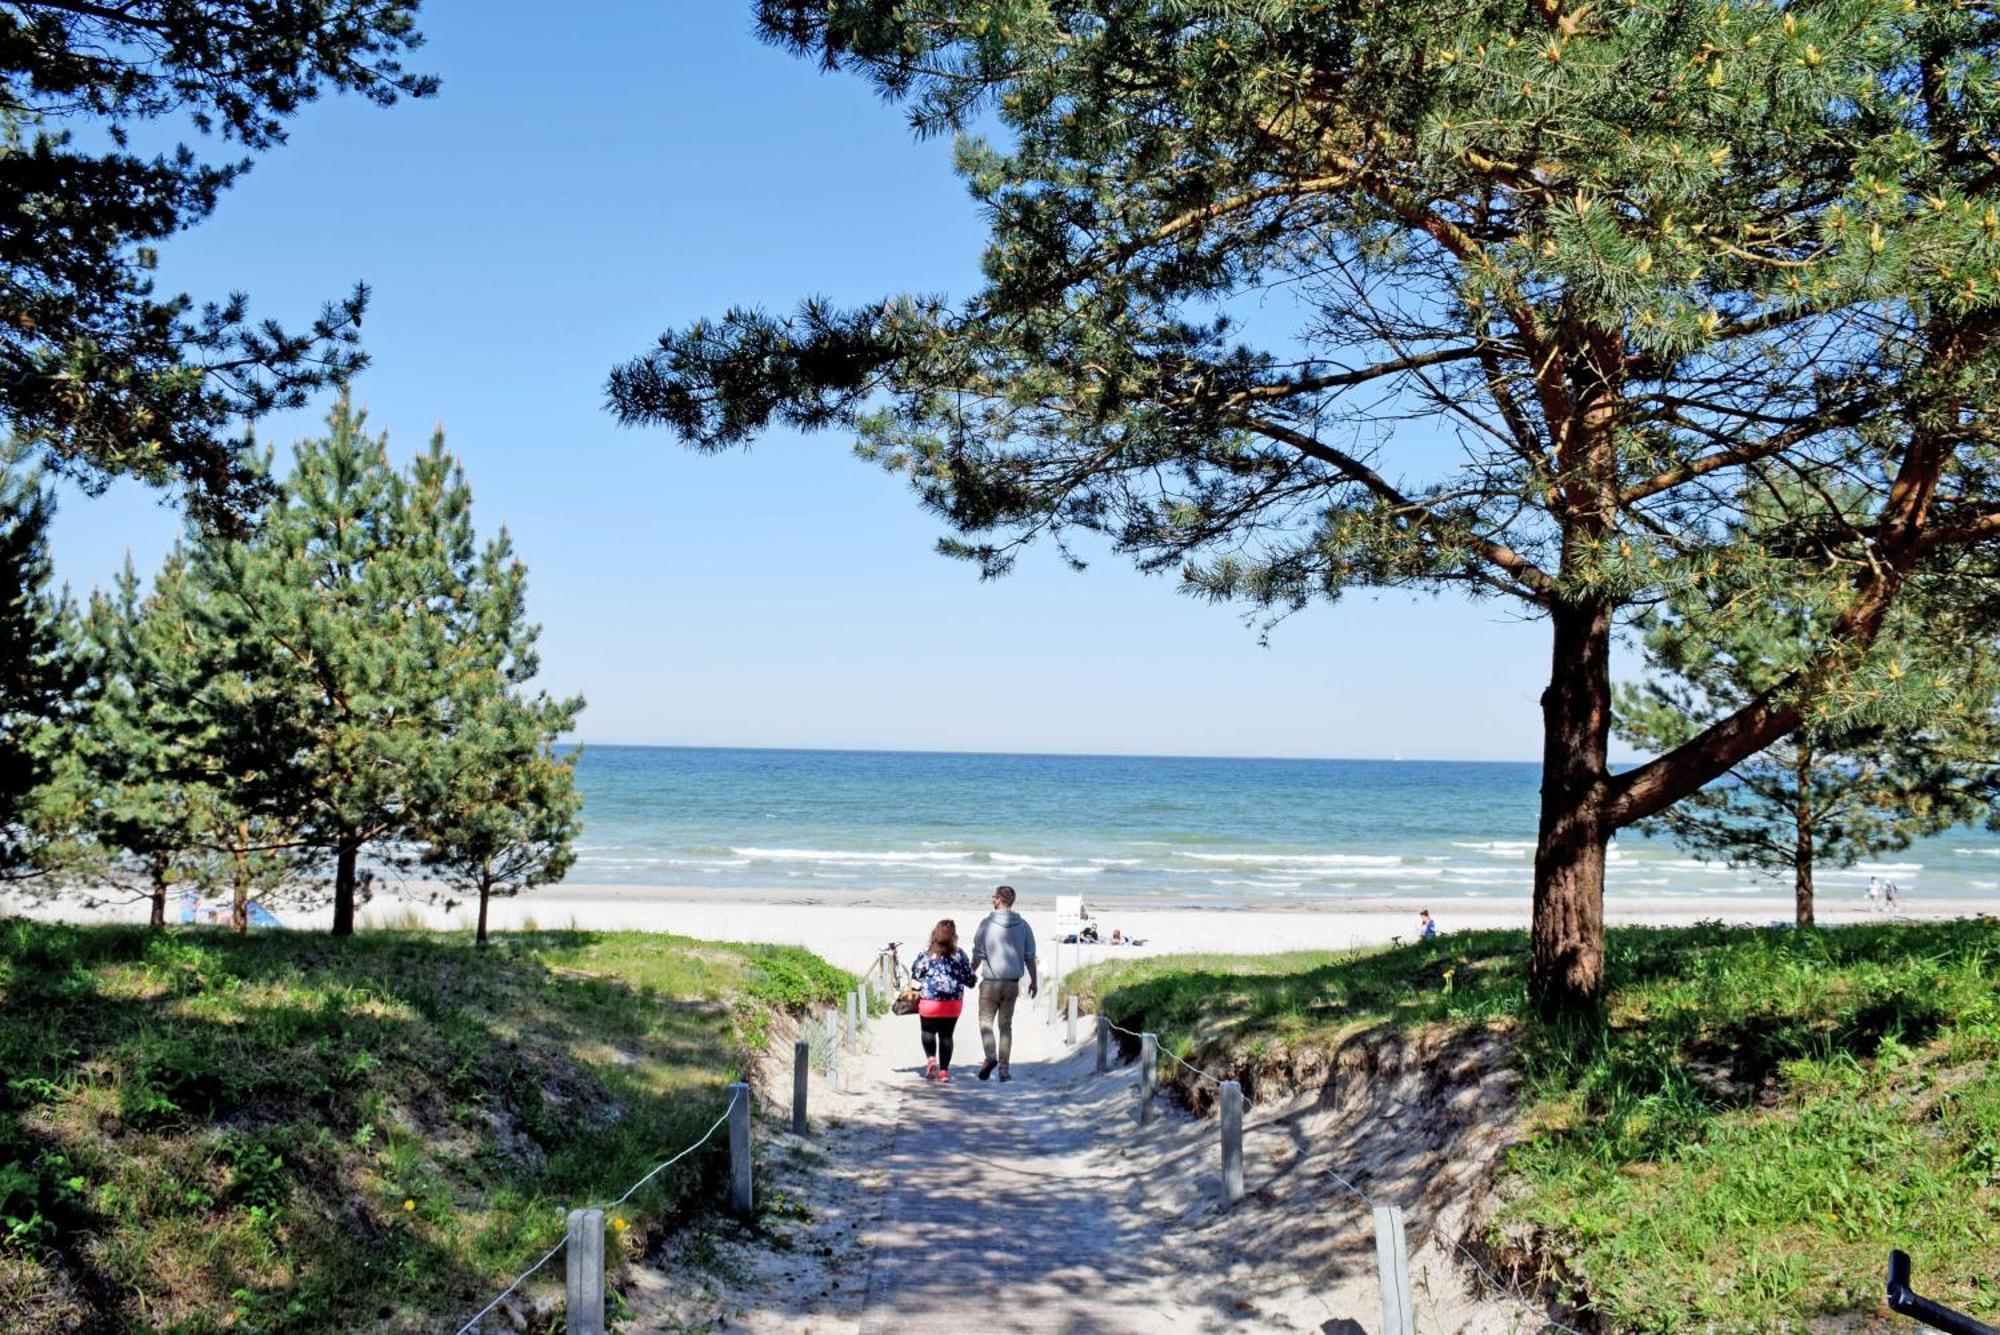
(1756, 1119)
(284, 1132)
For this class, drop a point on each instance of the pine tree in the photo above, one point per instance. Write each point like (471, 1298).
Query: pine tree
(39, 675)
(153, 797)
(355, 650)
(99, 372)
(508, 816)
(1914, 755)
(1541, 287)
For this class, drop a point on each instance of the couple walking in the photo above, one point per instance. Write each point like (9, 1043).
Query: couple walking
(1003, 953)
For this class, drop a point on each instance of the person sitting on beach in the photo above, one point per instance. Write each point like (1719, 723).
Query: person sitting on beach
(1427, 923)
(1088, 936)
(943, 972)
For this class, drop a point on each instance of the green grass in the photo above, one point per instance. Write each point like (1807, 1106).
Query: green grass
(284, 1132)
(1759, 1116)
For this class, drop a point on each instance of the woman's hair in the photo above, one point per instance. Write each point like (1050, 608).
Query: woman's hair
(944, 937)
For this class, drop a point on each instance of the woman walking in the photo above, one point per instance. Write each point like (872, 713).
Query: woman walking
(943, 972)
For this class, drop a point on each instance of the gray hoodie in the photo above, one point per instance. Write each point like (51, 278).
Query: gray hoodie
(1003, 947)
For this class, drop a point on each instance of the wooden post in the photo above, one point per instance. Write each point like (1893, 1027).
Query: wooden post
(853, 1019)
(739, 1150)
(1149, 1075)
(867, 1002)
(583, 1305)
(1103, 1045)
(1399, 1317)
(1071, 1040)
(801, 1070)
(1232, 1142)
(832, 1042)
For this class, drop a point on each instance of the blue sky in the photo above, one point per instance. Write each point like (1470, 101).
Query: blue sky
(578, 187)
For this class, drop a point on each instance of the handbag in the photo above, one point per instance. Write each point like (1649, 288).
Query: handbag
(906, 1001)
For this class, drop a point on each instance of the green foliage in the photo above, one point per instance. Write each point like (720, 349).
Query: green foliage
(39, 672)
(229, 1128)
(1540, 292)
(1902, 748)
(1757, 1117)
(102, 374)
(505, 811)
(351, 676)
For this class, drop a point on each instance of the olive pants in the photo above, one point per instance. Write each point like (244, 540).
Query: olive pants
(996, 1011)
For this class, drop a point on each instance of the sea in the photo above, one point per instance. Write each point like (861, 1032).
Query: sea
(1159, 830)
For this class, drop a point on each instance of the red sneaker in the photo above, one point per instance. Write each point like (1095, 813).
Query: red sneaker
(944, 1076)
(930, 1068)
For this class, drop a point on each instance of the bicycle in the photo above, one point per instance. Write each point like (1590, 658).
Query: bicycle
(896, 976)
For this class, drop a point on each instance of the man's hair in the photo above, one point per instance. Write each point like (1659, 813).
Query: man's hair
(1006, 893)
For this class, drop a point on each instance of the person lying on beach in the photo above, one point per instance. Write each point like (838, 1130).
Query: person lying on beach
(943, 972)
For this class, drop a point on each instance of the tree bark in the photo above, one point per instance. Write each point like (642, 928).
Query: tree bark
(345, 858)
(485, 897)
(159, 869)
(1566, 969)
(239, 900)
(1802, 853)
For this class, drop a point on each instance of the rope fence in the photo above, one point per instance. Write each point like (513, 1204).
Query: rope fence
(591, 1218)
(821, 1044)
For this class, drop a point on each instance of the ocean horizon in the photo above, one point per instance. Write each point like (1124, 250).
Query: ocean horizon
(1198, 830)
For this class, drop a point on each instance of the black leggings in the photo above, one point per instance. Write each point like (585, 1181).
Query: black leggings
(937, 1037)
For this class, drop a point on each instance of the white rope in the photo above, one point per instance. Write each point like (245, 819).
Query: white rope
(549, 1255)
(1162, 1049)
(546, 1257)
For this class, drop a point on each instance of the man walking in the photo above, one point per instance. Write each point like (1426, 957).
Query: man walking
(1003, 950)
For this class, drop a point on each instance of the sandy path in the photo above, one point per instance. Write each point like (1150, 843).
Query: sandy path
(1041, 1205)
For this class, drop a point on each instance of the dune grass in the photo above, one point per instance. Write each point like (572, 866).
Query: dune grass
(284, 1132)
(1758, 1117)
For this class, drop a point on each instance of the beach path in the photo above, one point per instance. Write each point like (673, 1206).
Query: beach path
(1041, 1204)
(1010, 1205)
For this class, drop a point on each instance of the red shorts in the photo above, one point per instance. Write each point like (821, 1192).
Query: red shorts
(940, 1010)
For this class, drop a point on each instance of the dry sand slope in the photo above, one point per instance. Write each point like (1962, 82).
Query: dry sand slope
(1041, 1205)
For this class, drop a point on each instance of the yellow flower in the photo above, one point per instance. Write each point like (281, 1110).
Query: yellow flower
(619, 1225)
(409, 1205)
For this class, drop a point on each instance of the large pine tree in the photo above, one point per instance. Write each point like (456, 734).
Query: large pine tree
(100, 372)
(337, 638)
(1540, 284)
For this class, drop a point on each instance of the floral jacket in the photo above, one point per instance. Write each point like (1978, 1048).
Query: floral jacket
(943, 979)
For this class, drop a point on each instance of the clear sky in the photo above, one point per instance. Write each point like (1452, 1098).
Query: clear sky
(577, 187)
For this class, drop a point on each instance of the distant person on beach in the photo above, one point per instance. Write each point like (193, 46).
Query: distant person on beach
(943, 973)
(1874, 891)
(1892, 898)
(1427, 925)
(1003, 949)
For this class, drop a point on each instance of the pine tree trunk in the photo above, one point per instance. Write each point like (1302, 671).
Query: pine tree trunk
(1802, 853)
(1566, 971)
(485, 897)
(345, 858)
(159, 869)
(239, 902)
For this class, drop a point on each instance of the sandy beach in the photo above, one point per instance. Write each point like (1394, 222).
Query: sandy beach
(848, 927)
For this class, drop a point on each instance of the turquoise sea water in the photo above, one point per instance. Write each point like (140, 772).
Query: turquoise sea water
(1204, 831)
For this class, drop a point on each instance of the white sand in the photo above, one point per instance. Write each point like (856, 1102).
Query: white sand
(850, 927)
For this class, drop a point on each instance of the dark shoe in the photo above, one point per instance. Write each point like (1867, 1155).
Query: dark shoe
(986, 1068)
(1006, 1074)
